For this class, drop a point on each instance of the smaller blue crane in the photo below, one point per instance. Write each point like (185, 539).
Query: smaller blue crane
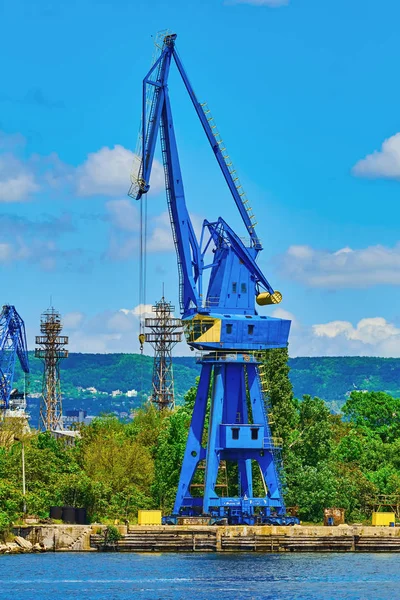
(12, 344)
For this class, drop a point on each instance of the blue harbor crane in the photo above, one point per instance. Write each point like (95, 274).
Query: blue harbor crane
(12, 345)
(218, 299)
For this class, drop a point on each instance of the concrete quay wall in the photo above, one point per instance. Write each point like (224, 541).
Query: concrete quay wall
(258, 539)
(81, 538)
(73, 538)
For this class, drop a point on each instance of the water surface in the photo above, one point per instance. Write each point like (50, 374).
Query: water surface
(101, 576)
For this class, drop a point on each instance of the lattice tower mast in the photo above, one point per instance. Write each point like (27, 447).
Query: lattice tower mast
(51, 351)
(166, 332)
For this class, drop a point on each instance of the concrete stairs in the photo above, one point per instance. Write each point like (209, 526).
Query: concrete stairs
(80, 543)
(164, 540)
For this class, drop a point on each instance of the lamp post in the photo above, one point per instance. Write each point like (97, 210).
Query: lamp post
(23, 473)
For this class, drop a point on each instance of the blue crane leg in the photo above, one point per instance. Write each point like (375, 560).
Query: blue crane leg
(194, 451)
(267, 463)
(214, 441)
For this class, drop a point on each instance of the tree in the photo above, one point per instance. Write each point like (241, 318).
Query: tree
(169, 457)
(109, 455)
(313, 438)
(283, 411)
(374, 412)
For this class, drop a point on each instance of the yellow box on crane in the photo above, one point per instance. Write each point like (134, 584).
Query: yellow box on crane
(149, 517)
(383, 519)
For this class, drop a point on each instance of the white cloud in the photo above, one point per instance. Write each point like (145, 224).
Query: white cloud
(383, 163)
(124, 219)
(333, 329)
(161, 236)
(107, 172)
(161, 239)
(112, 331)
(17, 181)
(120, 322)
(44, 253)
(6, 252)
(373, 336)
(281, 313)
(123, 215)
(73, 320)
(270, 3)
(144, 310)
(344, 268)
(101, 343)
(369, 331)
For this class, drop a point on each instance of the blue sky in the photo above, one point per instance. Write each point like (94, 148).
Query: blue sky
(306, 96)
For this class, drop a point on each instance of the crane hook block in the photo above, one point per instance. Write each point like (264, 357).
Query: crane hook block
(266, 298)
(142, 339)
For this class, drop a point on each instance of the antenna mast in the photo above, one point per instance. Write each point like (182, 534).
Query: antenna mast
(166, 332)
(51, 351)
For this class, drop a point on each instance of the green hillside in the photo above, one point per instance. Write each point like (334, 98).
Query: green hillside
(330, 378)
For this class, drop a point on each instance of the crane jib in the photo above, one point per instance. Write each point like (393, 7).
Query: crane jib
(157, 117)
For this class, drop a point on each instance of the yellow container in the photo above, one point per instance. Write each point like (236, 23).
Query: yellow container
(383, 518)
(149, 517)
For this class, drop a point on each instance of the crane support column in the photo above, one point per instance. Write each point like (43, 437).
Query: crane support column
(238, 432)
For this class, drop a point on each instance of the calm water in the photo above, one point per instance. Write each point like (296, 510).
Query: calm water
(200, 576)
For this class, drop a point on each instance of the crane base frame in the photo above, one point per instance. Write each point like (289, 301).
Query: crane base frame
(239, 432)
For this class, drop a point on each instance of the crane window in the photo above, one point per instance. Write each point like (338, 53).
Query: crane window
(254, 434)
(234, 287)
(250, 329)
(197, 328)
(235, 433)
(243, 288)
(229, 328)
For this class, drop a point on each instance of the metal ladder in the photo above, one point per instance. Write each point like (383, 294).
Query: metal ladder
(263, 382)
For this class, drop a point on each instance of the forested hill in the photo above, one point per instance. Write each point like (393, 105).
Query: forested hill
(325, 377)
(331, 378)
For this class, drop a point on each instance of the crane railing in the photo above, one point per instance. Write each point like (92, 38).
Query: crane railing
(229, 164)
